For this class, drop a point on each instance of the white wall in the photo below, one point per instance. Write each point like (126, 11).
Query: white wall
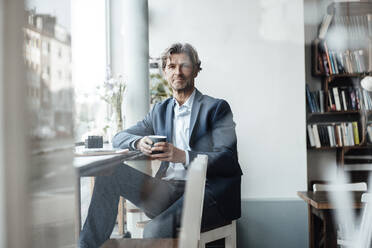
(252, 55)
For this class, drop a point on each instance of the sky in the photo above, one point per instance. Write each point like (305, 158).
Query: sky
(59, 8)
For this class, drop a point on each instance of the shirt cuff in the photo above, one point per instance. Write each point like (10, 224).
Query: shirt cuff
(187, 162)
(132, 144)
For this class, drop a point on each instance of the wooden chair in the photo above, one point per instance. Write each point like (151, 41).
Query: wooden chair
(360, 186)
(191, 216)
(365, 230)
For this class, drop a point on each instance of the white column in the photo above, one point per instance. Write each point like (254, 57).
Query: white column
(14, 206)
(114, 35)
(136, 54)
(136, 73)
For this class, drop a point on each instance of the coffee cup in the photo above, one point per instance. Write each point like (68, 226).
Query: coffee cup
(157, 139)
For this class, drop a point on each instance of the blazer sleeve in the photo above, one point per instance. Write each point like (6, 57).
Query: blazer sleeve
(124, 138)
(222, 158)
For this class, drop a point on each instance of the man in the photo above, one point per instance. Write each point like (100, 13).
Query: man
(193, 124)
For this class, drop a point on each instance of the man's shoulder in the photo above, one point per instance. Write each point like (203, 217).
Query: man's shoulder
(162, 105)
(212, 101)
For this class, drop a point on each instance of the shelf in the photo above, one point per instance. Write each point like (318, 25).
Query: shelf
(343, 75)
(341, 147)
(336, 112)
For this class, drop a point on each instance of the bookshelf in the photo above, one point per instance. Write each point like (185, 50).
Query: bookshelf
(339, 114)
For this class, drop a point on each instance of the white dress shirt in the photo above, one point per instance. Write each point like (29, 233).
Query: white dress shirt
(180, 137)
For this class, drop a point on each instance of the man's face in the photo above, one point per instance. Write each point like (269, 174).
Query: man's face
(179, 72)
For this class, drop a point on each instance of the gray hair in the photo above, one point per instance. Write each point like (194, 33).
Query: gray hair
(178, 48)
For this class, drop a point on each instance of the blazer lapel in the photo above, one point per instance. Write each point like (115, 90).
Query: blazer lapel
(195, 112)
(169, 121)
(169, 131)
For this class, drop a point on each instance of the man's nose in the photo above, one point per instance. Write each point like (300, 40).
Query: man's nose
(178, 69)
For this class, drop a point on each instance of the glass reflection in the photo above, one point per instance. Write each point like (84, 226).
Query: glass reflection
(47, 55)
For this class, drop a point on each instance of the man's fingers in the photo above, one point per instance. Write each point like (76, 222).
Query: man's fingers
(147, 140)
(146, 153)
(159, 148)
(159, 156)
(160, 144)
(146, 147)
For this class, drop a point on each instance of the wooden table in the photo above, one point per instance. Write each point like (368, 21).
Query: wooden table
(88, 166)
(320, 214)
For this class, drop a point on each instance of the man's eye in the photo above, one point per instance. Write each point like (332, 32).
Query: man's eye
(187, 67)
(171, 66)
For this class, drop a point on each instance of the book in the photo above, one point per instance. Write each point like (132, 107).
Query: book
(329, 128)
(327, 19)
(333, 135)
(328, 58)
(338, 135)
(316, 136)
(344, 100)
(350, 134)
(334, 60)
(362, 60)
(369, 24)
(311, 135)
(356, 132)
(349, 67)
(314, 98)
(321, 100)
(337, 98)
(325, 64)
(341, 62)
(332, 105)
(326, 136)
(345, 140)
(309, 100)
(323, 139)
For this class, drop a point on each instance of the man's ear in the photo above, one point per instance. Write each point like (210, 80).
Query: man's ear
(196, 72)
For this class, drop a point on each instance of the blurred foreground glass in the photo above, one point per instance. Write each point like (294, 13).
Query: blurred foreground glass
(47, 56)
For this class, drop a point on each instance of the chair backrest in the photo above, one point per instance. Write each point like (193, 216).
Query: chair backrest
(362, 186)
(193, 203)
(365, 230)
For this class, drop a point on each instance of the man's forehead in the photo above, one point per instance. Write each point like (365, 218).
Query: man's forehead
(178, 58)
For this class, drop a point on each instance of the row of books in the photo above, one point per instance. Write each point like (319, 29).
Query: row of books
(353, 27)
(331, 62)
(315, 100)
(333, 134)
(345, 98)
(339, 99)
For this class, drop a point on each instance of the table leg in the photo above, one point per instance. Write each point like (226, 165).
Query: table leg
(310, 217)
(77, 208)
(315, 228)
(120, 217)
(330, 231)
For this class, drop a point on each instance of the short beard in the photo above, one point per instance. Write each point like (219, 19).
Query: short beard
(188, 88)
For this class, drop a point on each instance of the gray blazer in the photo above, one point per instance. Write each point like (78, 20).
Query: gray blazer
(212, 132)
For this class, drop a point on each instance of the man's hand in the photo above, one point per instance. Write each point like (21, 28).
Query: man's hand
(144, 145)
(169, 153)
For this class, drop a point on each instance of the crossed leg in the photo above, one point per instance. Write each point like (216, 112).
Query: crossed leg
(161, 200)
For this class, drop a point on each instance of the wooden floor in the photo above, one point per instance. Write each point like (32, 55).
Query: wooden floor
(153, 243)
(140, 243)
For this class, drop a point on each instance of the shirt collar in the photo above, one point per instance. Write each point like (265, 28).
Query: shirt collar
(188, 103)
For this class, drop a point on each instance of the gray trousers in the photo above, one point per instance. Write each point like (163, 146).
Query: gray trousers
(161, 201)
